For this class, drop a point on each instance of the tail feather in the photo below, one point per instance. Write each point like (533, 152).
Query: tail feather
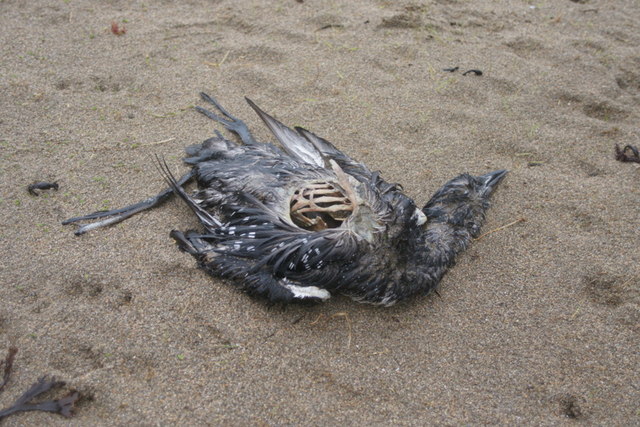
(184, 244)
(193, 243)
(205, 217)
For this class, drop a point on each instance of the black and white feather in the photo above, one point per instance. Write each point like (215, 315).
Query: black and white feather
(305, 221)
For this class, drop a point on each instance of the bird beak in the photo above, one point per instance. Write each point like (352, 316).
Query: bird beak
(491, 180)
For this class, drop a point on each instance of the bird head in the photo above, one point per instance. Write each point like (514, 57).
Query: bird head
(463, 201)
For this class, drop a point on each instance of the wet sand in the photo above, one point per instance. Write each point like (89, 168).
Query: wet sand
(538, 323)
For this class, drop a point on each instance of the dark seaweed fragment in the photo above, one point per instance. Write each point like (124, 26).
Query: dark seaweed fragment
(42, 186)
(628, 154)
(62, 406)
(8, 364)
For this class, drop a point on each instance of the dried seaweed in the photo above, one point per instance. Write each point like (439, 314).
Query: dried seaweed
(472, 71)
(325, 27)
(476, 72)
(42, 186)
(622, 156)
(8, 364)
(62, 406)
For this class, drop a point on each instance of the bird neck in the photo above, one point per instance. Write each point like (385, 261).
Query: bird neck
(443, 241)
(435, 251)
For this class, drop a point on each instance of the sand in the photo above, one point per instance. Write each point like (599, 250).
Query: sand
(537, 324)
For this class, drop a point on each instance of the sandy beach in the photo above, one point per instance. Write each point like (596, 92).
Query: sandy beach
(537, 324)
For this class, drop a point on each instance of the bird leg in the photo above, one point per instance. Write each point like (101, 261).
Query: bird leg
(115, 216)
(230, 122)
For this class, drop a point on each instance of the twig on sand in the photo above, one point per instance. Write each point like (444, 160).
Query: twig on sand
(575, 313)
(224, 58)
(517, 221)
(218, 64)
(164, 141)
(320, 316)
(348, 320)
(339, 314)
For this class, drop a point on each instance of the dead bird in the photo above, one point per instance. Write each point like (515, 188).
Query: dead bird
(305, 221)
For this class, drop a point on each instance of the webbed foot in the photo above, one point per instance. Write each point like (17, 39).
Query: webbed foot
(115, 216)
(229, 121)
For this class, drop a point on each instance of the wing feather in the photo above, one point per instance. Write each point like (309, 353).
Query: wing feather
(205, 217)
(293, 143)
(329, 151)
(257, 233)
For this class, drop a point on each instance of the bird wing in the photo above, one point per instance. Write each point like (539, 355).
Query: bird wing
(296, 146)
(329, 151)
(308, 147)
(258, 233)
